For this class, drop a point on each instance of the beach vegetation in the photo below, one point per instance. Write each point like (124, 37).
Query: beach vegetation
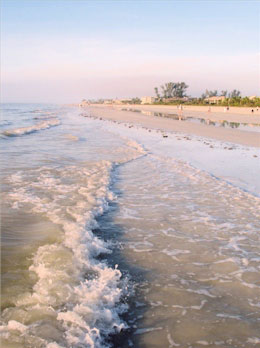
(234, 94)
(157, 93)
(232, 101)
(224, 93)
(135, 100)
(171, 90)
(175, 94)
(209, 94)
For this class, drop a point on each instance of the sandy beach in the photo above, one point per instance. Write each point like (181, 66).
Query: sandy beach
(236, 115)
(218, 113)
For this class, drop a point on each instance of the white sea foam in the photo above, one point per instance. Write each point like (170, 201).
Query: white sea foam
(30, 129)
(254, 340)
(203, 343)
(171, 341)
(149, 329)
(85, 291)
(136, 146)
(74, 292)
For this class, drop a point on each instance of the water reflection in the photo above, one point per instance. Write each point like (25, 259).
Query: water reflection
(253, 127)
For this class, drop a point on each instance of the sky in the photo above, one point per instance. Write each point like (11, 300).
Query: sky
(66, 50)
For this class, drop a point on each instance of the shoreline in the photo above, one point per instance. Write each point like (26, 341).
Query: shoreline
(115, 113)
(217, 113)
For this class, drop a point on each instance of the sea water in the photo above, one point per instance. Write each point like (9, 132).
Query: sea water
(110, 240)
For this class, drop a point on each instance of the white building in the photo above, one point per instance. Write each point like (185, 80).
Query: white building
(215, 100)
(147, 100)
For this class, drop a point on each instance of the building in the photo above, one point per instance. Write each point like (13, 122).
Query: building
(147, 100)
(215, 100)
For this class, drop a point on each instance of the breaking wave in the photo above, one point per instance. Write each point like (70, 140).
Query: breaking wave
(30, 129)
(76, 299)
(75, 294)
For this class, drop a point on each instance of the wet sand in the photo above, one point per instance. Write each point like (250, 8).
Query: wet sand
(235, 114)
(235, 136)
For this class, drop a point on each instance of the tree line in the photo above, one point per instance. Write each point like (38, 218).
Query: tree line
(175, 93)
(224, 93)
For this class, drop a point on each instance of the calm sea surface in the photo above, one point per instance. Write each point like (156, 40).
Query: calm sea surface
(107, 244)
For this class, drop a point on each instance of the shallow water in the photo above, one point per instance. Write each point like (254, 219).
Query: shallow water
(197, 240)
(107, 243)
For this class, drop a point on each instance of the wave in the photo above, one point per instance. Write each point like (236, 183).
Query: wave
(76, 299)
(75, 293)
(77, 296)
(5, 123)
(31, 129)
(33, 111)
(44, 116)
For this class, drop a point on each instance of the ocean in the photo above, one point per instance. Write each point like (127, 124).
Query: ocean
(118, 236)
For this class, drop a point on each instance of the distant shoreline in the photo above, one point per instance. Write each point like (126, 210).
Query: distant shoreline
(239, 110)
(236, 136)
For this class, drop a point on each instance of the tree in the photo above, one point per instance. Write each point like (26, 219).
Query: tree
(213, 93)
(164, 91)
(172, 89)
(209, 94)
(157, 93)
(180, 88)
(234, 94)
(224, 93)
(135, 100)
(169, 89)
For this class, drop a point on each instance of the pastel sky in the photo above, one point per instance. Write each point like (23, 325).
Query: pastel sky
(64, 50)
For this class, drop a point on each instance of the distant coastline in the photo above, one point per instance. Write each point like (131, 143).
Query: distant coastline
(146, 118)
(239, 110)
